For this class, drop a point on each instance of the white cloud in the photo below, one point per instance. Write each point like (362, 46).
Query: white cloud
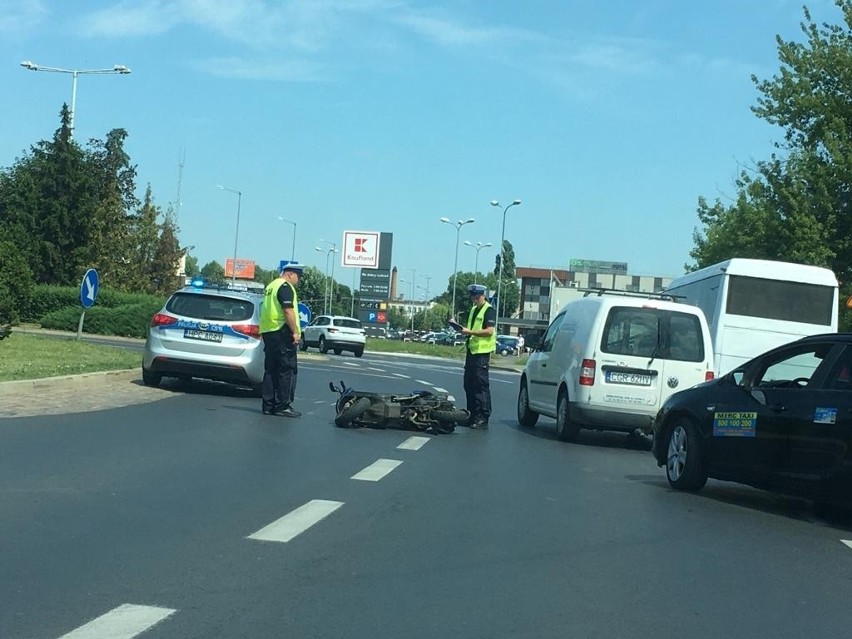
(131, 19)
(20, 16)
(448, 32)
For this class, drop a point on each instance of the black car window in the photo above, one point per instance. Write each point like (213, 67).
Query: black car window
(840, 377)
(792, 368)
(210, 307)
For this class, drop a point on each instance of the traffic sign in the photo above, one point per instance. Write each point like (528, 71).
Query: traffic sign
(304, 314)
(89, 288)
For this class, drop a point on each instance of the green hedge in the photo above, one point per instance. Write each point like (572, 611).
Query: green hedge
(46, 300)
(131, 320)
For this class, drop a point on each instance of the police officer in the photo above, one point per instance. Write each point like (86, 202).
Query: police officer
(481, 342)
(279, 327)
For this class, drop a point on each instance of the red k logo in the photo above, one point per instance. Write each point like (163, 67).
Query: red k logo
(359, 245)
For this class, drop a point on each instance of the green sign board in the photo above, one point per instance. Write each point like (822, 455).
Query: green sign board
(597, 266)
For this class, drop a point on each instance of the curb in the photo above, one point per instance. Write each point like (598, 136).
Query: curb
(69, 381)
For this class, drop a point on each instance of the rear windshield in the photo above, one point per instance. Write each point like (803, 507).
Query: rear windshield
(210, 307)
(774, 299)
(648, 332)
(347, 323)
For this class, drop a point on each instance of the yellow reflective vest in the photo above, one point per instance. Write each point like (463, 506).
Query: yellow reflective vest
(272, 317)
(477, 345)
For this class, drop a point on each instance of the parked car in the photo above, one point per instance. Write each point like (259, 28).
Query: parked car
(452, 339)
(206, 332)
(507, 345)
(608, 362)
(336, 333)
(782, 421)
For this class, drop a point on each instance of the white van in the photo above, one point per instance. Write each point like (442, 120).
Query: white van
(752, 306)
(609, 361)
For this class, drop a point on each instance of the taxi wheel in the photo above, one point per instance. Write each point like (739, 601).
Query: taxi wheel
(684, 464)
(566, 430)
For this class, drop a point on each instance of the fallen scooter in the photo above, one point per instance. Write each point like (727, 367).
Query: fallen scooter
(421, 410)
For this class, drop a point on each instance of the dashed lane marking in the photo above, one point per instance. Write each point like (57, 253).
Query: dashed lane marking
(351, 364)
(319, 401)
(124, 622)
(403, 376)
(378, 370)
(413, 443)
(377, 470)
(420, 381)
(846, 542)
(296, 522)
(441, 390)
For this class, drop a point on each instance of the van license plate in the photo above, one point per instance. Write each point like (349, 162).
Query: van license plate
(633, 379)
(204, 336)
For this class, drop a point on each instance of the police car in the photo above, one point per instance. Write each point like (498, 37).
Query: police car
(782, 421)
(206, 331)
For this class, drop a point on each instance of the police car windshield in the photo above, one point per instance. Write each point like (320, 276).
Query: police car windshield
(210, 307)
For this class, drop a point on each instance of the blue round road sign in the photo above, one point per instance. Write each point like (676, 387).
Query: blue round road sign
(89, 288)
(304, 314)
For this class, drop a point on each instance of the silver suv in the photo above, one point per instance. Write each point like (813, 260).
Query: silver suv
(336, 333)
(212, 333)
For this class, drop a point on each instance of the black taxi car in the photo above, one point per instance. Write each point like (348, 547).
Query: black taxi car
(781, 422)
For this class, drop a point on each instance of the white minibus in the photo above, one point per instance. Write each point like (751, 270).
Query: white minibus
(753, 306)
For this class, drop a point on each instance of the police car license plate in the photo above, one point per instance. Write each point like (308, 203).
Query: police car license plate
(632, 379)
(204, 336)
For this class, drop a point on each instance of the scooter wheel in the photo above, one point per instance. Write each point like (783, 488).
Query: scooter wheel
(351, 412)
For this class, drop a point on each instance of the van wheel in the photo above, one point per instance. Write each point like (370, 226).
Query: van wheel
(684, 464)
(566, 430)
(526, 417)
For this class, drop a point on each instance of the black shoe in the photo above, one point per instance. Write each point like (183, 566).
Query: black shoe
(480, 424)
(288, 412)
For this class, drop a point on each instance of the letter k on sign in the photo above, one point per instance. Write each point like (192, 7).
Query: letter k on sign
(360, 245)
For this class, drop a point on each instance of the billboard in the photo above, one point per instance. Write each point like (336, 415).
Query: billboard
(361, 249)
(598, 266)
(375, 284)
(245, 268)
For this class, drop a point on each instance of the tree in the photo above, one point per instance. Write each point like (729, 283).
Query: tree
(797, 205)
(213, 272)
(16, 281)
(397, 318)
(191, 267)
(164, 268)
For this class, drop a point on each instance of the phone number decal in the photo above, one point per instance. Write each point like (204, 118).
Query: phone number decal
(734, 424)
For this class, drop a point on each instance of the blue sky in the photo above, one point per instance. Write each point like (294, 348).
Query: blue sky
(608, 119)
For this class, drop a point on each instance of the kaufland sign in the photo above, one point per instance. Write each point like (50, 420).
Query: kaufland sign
(361, 249)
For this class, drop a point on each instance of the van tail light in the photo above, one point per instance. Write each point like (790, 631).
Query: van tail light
(250, 330)
(709, 376)
(162, 319)
(587, 372)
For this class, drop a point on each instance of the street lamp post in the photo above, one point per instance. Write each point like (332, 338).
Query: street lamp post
(478, 246)
(410, 299)
(237, 232)
(293, 251)
(428, 279)
(413, 284)
(458, 226)
(502, 243)
(326, 298)
(118, 69)
(331, 283)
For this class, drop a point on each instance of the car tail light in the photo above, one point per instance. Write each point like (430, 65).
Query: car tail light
(251, 330)
(587, 372)
(162, 319)
(709, 376)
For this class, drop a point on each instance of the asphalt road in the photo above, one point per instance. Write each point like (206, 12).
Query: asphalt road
(115, 520)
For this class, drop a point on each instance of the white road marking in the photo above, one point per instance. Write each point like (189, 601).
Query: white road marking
(378, 370)
(441, 390)
(376, 470)
(124, 622)
(413, 443)
(319, 401)
(351, 364)
(846, 542)
(296, 522)
(502, 381)
(420, 381)
(403, 376)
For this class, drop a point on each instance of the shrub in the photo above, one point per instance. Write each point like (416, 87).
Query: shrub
(130, 320)
(16, 283)
(47, 299)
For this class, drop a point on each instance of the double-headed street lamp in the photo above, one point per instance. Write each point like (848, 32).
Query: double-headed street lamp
(293, 251)
(237, 232)
(478, 246)
(410, 300)
(502, 251)
(458, 226)
(326, 300)
(118, 69)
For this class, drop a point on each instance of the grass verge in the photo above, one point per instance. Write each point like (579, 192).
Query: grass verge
(33, 357)
(435, 350)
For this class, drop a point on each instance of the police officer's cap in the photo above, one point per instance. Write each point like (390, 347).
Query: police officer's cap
(292, 266)
(476, 289)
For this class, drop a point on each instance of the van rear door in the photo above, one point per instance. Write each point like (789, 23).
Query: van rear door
(685, 351)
